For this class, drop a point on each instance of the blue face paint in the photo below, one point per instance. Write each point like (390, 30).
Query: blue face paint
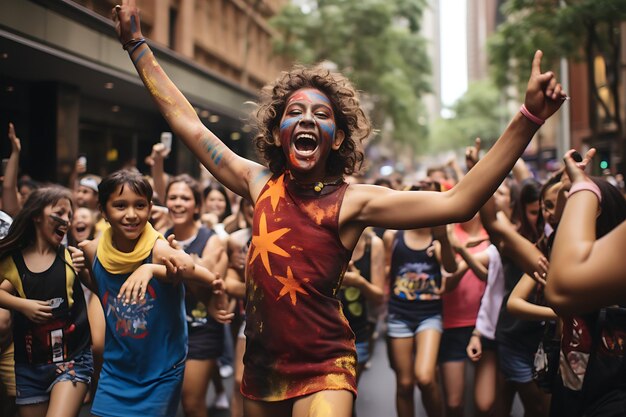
(320, 96)
(287, 123)
(133, 24)
(329, 129)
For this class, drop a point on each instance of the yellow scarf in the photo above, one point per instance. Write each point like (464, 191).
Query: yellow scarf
(117, 262)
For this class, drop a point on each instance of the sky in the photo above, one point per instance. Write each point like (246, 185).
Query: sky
(453, 50)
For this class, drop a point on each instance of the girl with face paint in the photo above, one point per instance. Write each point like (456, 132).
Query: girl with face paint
(300, 356)
(53, 359)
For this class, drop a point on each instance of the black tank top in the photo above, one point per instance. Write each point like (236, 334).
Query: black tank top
(415, 279)
(353, 300)
(61, 338)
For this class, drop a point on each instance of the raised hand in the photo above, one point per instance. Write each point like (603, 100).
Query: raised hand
(472, 154)
(575, 171)
(16, 144)
(127, 24)
(544, 95)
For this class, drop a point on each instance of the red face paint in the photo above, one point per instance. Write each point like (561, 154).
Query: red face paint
(307, 131)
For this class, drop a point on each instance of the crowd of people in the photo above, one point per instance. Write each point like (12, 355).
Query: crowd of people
(117, 291)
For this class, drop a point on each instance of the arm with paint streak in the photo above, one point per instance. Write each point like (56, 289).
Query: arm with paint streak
(377, 206)
(242, 176)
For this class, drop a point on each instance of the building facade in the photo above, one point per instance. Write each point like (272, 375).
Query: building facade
(70, 89)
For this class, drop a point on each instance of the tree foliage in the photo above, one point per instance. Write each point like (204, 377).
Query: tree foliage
(478, 113)
(376, 43)
(560, 28)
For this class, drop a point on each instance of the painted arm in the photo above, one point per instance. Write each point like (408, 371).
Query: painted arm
(585, 273)
(519, 305)
(10, 201)
(371, 205)
(242, 176)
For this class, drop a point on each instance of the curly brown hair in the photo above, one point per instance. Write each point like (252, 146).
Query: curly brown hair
(349, 117)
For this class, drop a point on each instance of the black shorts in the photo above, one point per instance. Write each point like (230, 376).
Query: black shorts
(206, 342)
(454, 344)
(488, 344)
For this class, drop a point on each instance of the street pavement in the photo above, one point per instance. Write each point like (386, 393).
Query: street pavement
(376, 392)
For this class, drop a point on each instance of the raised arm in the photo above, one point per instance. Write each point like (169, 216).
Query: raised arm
(242, 176)
(371, 205)
(10, 201)
(585, 274)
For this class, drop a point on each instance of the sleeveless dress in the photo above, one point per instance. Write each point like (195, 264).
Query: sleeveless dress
(144, 348)
(298, 340)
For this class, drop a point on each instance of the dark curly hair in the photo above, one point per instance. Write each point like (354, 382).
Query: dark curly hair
(349, 117)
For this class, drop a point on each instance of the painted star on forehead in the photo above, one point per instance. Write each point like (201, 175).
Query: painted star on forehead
(275, 191)
(263, 244)
(290, 286)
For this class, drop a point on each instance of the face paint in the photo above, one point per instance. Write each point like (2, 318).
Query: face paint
(307, 132)
(133, 24)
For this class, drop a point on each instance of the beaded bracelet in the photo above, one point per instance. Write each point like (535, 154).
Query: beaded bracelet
(536, 120)
(586, 186)
(132, 42)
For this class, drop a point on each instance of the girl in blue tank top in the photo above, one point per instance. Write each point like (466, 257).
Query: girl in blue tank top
(146, 336)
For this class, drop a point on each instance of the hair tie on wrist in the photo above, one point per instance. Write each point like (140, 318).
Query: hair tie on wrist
(586, 186)
(536, 120)
(137, 45)
(133, 42)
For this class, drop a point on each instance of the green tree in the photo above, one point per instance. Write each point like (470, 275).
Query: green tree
(582, 30)
(478, 113)
(376, 43)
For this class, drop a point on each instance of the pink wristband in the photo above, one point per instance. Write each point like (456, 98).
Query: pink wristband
(586, 186)
(536, 120)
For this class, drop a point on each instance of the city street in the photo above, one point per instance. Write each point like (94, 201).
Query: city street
(376, 392)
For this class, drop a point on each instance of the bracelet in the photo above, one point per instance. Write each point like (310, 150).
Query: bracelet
(586, 186)
(536, 120)
(476, 333)
(132, 42)
(137, 45)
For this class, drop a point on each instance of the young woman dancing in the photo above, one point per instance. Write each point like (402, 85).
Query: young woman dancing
(300, 356)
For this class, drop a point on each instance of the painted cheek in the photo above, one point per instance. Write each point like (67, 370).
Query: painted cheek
(329, 130)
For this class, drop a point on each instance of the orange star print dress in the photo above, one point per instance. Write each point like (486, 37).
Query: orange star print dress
(298, 340)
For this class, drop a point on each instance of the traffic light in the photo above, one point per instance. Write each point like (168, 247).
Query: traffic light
(604, 159)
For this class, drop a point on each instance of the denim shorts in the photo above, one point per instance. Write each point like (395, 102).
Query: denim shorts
(362, 352)
(516, 362)
(34, 382)
(402, 327)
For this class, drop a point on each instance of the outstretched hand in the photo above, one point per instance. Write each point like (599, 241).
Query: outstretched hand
(127, 24)
(575, 171)
(544, 94)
